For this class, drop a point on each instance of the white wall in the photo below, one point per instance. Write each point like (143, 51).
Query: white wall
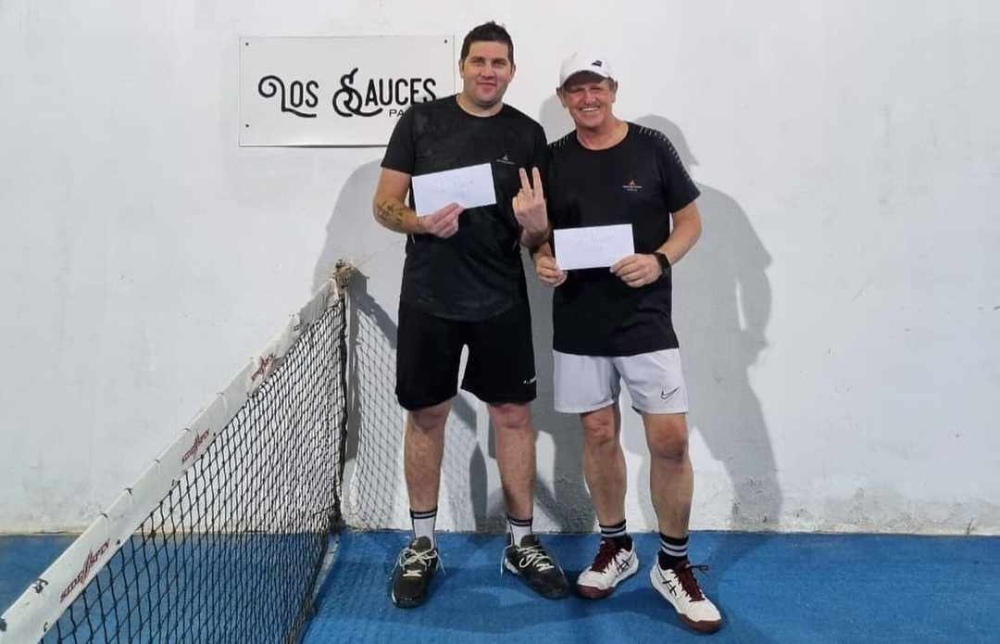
(839, 319)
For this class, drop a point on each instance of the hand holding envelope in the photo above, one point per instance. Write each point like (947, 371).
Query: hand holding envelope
(638, 270)
(548, 271)
(442, 223)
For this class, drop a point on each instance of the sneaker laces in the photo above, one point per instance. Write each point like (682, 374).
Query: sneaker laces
(530, 556)
(685, 573)
(606, 554)
(415, 562)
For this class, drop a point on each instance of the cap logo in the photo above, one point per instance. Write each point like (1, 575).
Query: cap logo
(597, 63)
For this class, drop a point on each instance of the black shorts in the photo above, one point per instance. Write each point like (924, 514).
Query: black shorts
(501, 365)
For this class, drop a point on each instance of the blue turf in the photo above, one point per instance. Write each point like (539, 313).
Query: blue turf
(780, 588)
(771, 588)
(23, 559)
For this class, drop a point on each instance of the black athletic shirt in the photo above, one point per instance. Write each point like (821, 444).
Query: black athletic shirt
(639, 181)
(475, 274)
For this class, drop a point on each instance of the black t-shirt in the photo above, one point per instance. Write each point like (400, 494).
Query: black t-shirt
(639, 181)
(475, 274)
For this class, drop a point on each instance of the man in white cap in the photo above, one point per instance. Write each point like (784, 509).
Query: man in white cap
(615, 325)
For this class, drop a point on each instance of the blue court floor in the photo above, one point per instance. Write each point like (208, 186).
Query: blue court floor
(770, 587)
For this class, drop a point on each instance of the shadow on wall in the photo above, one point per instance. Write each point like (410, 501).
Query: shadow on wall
(376, 488)
(722, 304)
(354, 206)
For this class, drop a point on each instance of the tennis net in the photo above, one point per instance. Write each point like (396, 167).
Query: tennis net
(224, 538)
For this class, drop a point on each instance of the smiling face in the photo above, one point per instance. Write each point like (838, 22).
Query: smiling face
(589, 99)
(486, 72)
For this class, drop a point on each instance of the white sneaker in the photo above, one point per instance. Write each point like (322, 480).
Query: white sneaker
(612, 565)
(679, 587)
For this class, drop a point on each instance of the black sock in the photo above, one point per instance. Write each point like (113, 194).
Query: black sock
(672, 551)
(617, 534)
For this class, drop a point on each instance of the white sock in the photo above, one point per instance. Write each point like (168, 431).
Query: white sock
(423, 524)
(519, 529)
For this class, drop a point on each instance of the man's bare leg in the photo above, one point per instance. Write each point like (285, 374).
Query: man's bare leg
(515, 445)
(604, 463)
(671, 477)
(423, 450)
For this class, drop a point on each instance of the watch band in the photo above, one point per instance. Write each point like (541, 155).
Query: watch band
(664, 262)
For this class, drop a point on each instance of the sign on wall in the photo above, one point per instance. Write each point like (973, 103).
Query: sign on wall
(337, 91)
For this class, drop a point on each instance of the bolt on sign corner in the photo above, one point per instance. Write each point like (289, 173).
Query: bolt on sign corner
(337, 91)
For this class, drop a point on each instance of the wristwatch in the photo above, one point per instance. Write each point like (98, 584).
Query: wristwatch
(664, 263)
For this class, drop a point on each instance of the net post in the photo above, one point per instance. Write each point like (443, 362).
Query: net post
(343, 271)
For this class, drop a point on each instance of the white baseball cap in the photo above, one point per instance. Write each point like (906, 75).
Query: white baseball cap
(584, 62)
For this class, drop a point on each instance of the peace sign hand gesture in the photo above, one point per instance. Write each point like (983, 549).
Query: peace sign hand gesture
(529, 204)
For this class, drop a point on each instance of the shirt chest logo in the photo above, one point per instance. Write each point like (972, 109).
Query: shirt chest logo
(632, 186)
(505, 160)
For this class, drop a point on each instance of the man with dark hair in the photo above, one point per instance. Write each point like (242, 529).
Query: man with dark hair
(614, 325)
(463, 285)
(488, 32)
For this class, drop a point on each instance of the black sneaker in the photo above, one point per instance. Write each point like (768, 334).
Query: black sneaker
(415, 568)
(530, 562)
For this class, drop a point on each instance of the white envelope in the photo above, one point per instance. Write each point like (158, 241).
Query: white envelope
(469, 187)
(593, 246)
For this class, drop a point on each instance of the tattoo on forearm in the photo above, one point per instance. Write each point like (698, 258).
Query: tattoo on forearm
(392, 215)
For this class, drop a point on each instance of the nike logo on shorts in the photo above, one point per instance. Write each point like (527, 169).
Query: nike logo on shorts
(665, 395)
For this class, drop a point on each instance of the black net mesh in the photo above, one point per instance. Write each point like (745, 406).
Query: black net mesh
(376, 419)
(233, 552)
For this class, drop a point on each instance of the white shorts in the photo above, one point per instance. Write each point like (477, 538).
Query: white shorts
(654, 380)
